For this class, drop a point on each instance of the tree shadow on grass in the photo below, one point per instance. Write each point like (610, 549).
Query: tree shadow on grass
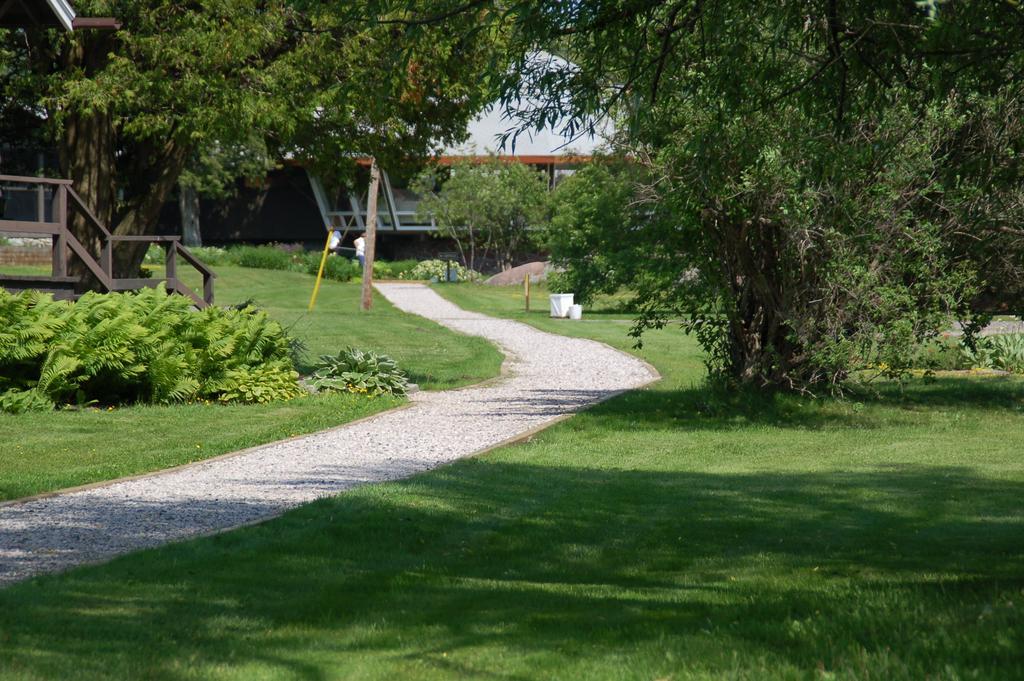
(512, 570)
(702, 408)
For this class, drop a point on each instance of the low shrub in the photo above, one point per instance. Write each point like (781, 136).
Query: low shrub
(401, 268)
(437, 270)
(1004, 352)
(382, 270)
(336, 268)
(263, 257)
(214, 256)
(359, 371)
(942, 354)
(137, 347)
(290, 257)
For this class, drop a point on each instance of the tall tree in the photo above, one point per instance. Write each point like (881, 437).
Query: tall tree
(823, 183)
(488, 207)
(315, 81)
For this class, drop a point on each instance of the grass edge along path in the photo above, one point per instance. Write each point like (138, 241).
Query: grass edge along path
(46, 452)
(662, 534)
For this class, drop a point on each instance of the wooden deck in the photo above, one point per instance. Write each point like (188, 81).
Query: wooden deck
(42, 207)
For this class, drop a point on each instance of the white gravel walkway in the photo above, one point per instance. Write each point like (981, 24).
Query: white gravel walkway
(546, 377)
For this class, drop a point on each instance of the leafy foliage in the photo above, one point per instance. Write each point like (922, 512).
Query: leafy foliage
(1004, 352)
(589, 236)
(487, 208)
(144, 347)
(197, 92)
(817, 186)
(289, 258)
(437, 270)
(359, 371)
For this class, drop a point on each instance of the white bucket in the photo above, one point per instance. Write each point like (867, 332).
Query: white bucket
(575, 312)
(560, 304)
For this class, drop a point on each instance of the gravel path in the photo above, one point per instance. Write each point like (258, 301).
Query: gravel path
(546, 376)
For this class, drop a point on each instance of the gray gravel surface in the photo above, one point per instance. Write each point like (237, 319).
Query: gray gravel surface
(993, 329)
(545, 377)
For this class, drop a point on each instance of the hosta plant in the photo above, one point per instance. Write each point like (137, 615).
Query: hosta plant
(359, 371)
(1004, 352)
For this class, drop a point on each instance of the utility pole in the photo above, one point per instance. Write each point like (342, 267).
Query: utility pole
(371, 235)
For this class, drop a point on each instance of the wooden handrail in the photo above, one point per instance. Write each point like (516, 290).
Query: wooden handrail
(86, 257)
(88, 213)
(208, 274)
(34, 180)
(64, 197)
(194, 261)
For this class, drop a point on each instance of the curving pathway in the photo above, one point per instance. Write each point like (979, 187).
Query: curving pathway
(545, 377)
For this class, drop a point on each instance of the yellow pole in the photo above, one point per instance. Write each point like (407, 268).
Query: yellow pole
(526, 286)
(320, 272)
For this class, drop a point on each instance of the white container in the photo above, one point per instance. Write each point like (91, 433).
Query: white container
(560, 304)
(575, 312)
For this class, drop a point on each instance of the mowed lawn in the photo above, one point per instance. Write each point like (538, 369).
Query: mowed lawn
(666, 534)
(49, 451)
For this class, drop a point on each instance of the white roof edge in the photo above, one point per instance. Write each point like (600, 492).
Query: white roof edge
(64, 11)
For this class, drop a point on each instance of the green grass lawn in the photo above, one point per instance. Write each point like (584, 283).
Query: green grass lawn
(667, 533)
(47, 451)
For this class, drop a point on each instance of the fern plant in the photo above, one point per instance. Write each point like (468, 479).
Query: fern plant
(138, 347)
(359, 371)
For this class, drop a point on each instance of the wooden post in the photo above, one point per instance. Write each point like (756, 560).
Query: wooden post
(171, 266)
(60, 240)
(526, 287)
(371, 235)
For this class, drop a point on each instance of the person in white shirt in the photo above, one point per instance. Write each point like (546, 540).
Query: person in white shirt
(360, 244)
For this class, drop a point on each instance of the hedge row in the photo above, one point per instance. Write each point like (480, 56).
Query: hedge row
(338, 268)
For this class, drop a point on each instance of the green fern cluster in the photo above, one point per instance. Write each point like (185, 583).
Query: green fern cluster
(137, 347)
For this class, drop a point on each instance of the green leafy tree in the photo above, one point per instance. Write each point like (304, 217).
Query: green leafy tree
(128, 109)
(591, 234)
(824, 183)
(488, 208)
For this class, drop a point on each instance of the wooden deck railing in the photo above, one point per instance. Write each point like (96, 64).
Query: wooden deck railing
(52, 216)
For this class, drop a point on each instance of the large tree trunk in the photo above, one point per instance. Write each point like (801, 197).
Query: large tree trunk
(761, 345)
(99, 162)
(87, 155)
(188, 204)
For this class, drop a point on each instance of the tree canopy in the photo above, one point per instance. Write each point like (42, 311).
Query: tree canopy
(818, 185)
(487, 207)
(317, 82)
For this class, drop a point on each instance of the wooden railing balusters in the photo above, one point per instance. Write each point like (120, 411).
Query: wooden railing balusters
(64, 243)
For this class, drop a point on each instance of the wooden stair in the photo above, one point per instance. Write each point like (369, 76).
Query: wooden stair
(62, 288)
(37, 206)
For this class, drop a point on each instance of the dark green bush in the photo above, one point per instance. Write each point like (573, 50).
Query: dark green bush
(276, 257)
(263, 257)
(942, 354)
(137, 347)
(336, 268)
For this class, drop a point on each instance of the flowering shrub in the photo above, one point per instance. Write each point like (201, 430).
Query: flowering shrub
(437, 270)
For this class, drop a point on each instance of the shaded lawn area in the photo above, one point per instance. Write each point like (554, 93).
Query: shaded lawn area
(663, 534)
(47, 451)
